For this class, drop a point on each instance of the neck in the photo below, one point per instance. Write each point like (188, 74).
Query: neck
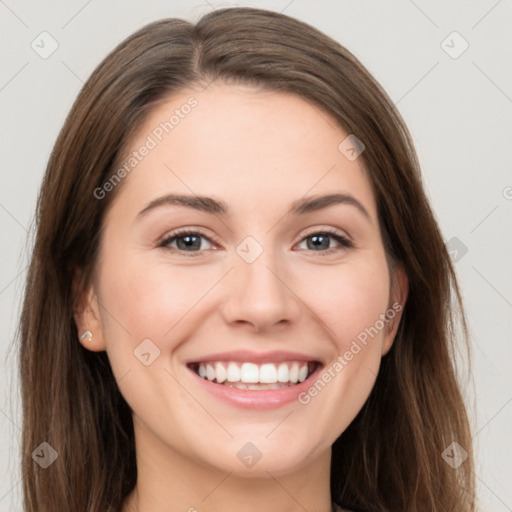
(169, 481)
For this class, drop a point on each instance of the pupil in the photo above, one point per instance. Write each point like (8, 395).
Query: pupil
(189, 241)
(317, 241)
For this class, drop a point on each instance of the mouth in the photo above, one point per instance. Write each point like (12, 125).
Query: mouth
(255, 380)
(251, 376)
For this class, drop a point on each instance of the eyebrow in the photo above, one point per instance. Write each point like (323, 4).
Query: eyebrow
(218, 207)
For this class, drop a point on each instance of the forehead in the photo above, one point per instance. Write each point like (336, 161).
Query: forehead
(245, 145)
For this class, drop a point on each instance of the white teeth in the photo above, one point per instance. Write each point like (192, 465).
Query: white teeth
(253, 376)
(210, 372)
(249, 373)
(220, 372)
(294, 373)
(283, 373)
(256, 387)
(233, 373)
(268, 374)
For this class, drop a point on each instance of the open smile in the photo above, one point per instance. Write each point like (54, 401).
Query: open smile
(251, 376)
(255, 380)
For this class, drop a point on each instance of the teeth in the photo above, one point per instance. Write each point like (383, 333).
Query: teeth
(220, 373)
(233, 372)
(260, 387)
(210, 372)
(253, 376)
(268, 374)
(294, 373)
(250, 373)
(255, 387)
(283, 373)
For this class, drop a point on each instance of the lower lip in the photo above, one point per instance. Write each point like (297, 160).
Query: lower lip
(251, 399)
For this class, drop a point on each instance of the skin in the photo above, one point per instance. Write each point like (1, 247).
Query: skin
(258, 151)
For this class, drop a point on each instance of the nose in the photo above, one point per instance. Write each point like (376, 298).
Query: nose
(260, 295)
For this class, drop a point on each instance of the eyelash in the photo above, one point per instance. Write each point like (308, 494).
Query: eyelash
(344, 242)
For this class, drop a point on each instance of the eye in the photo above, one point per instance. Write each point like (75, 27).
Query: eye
(320, 241)
(186, 241)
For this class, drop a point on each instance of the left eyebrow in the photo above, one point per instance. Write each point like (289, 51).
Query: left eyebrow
(217, 207)
(312, 204)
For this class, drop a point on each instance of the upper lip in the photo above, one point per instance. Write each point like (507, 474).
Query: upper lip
(246, 356)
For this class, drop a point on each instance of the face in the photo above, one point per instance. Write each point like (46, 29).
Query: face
(243, 315)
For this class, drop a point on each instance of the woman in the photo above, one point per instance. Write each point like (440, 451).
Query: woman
(241, 287)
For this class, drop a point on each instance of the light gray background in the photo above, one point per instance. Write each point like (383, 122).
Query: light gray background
(458, 110)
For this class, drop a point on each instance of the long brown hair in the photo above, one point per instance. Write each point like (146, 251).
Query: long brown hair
(390, 457)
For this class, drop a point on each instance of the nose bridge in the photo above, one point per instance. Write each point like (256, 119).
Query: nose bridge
(258, 291)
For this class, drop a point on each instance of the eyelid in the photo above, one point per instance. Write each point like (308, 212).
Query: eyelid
(330, 231)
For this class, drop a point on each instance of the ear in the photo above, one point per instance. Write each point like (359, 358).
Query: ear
(398, 297)
(86, 313)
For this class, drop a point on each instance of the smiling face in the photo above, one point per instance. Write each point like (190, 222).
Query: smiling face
(267, 284)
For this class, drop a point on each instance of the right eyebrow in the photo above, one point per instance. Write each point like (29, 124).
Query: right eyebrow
(202, 203)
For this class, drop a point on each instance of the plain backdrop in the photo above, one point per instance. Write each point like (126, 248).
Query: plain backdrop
(446, 64)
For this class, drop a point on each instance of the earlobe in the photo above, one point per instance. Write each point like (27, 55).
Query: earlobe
(87, 315)
(398, 298)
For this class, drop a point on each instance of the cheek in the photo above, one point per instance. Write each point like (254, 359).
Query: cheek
(353, 299)
(350, 298)
(148, 299)
(141, 304)
(143, 298)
